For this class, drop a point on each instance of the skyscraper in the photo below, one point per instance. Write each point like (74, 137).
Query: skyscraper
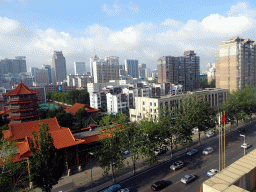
(106, 69)
(58, 67)
(92, 59)
(41, 76)
(131, 67)
(48, 67)
(32, 71)
(13, 66)
(184, 70)
(235, 64)
(79, 68)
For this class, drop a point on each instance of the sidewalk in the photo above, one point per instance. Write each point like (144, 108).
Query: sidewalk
(82, 180)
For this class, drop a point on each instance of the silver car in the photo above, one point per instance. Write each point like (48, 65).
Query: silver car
(208, 150)
(177, 165)
(188, 178)
(210, 134)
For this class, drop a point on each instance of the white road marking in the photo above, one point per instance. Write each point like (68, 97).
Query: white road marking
(177, 182)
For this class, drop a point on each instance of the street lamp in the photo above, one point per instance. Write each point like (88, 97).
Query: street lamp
(244, 141)
(91, 167)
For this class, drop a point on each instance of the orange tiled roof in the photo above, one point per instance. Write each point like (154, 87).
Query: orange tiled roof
(74, 108)
(21, 130)
(5, 111)
(21, 90)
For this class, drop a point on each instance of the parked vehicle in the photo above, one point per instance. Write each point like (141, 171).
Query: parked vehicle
(212, 172)
(241, 130)
(177, 165)
(192, 152)
(113, 188)
(208, 150)
(159, 151)
(188, 178)
(125, 151)
(124, 190)
(210, 134)
(159, 185)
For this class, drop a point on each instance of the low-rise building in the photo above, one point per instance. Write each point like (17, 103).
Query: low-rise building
(117, 102)
(149, 107)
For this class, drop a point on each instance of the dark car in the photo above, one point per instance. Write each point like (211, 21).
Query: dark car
(113, 188)
(159, 151)
(192, 152)
(241, 130)
(159, 185)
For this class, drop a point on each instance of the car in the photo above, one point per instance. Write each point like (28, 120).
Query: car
(245, 145)
(192, 152)
(124, 190)
(125, 151)
(212, 172)
(208, 150)
(241, 130)
(177, 165)
(159, 151)
(210, 134)
(195, 129)
(159, 185)
(188, 178)
(113, 188)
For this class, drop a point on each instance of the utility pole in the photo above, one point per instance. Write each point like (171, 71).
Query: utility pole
(222, 152)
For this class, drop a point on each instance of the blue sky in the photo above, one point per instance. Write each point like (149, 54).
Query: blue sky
(129, 29)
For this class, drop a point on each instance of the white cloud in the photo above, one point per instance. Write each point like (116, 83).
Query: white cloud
(120, 9)
(111, 10)
(145, 41)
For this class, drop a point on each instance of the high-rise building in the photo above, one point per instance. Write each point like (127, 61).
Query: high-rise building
(143, 71)
(92, 59)
(48, 67)
(106, 69)
(13, 66)
(59, 67)
(32, 71)
(79, 68)
(235, 64)
(131, 67)
(41, 77)
(184, 70)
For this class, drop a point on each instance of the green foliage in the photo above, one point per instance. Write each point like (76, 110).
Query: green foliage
(2, 128)
(10, 173)
(204, 84)
(45, 166)
(240, 104)
(72, 97)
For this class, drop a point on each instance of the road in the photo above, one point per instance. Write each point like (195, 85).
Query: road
(197, 165)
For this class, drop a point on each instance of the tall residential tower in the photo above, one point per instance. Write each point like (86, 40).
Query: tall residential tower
(79, 68)
(235, 64)
(131, 67)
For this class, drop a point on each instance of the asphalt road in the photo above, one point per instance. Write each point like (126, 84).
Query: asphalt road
(198, 164)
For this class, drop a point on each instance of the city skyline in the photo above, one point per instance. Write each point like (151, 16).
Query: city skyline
(129, 30)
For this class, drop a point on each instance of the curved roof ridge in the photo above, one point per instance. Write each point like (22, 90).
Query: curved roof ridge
(21, 89)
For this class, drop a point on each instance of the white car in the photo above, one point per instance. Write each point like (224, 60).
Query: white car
(195, 129)
(246, 145)
(125, 151)
(208, 150)
(212, 172)
(210, 134)
(188, 178)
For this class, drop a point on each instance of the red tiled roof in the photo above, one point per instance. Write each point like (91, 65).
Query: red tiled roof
(21, 130)
(5, 111)
(77, 106)
(21, 90)
(91, 139)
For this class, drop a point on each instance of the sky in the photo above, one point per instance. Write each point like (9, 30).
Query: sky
(143, 30)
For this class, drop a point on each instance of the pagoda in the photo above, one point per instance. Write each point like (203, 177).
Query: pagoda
(22, 104)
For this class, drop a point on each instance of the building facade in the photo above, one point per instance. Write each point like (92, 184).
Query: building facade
(49, 69)
(59, 67)
(106, 69)
(117, 102)
(79, 68)
(131, 67)
(92, 59)
(184, 70)
(149, 107)
(235, 64)
(41, 76)
(13, 66)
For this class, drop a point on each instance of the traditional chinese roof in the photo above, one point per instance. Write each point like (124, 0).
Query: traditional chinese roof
(21, 89)
(77, 106)
(22, 132)
(5, 111)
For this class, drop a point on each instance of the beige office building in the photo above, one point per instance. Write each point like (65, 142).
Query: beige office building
(235, 64)
(149, 107)
(106, 69)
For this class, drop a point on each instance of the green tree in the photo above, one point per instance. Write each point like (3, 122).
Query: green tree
(45, 166)
(212, 84)
(10, 172)
(204, 83)
(109, 155)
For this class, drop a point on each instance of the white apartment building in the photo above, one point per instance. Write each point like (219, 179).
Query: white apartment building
(146, 107)
(117, 102)
(98, 99)
(106, 69)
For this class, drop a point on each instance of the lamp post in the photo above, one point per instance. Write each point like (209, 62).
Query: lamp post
(244, 141)
(91, 167)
